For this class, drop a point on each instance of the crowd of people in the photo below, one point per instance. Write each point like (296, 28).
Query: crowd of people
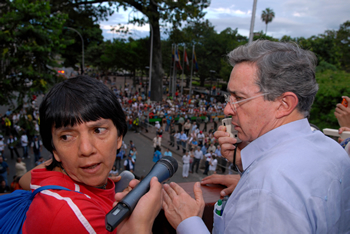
(19, 133)
(184, 119)
(291, 179)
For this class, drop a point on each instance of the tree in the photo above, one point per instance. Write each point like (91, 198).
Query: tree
(167, 11)
(30, 37)
(211, 47)
(266, 16)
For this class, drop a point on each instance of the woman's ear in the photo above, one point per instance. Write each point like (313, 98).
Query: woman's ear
(119, 142)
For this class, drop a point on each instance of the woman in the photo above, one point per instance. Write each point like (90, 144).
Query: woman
(82, 125)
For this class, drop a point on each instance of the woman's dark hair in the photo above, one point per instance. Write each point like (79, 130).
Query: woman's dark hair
(75, 101)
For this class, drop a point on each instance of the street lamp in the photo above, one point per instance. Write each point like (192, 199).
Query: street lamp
(82, 43)
(251, 33)
(150, 61)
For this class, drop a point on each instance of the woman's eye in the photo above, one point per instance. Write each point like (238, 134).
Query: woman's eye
(65, 137)
(100, 130)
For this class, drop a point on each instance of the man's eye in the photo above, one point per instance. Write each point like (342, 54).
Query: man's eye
(100, 130)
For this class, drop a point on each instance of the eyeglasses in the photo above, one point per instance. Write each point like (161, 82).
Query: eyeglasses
(229, 99)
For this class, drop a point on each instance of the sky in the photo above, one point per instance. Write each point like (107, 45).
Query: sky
(295, 18)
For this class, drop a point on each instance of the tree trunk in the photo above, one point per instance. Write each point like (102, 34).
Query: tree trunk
(157, 70)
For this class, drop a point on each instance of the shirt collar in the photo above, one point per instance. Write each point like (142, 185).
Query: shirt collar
(262, 144)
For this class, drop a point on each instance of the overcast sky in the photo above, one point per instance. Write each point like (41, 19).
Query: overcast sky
(296, 18)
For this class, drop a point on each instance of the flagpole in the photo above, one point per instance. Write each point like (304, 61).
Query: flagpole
(170, 72)
(183, 70)
(191, 71)
(174, 74)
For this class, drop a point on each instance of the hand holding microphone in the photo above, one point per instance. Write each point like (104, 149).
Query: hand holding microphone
(163, 170)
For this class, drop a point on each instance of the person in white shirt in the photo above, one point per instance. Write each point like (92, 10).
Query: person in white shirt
(2, 147)
(208, 157)
(212, 148)
(186, 166)
(24, 142)
(212, 165)
(178, 141)
(20, 168)
(198, 156)
(200, 138)
(157, 141)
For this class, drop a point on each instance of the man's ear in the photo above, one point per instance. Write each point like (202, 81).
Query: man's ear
(286, 104)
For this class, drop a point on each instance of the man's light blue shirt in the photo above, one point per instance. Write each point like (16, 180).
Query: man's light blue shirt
(295, 181)
(168, 153)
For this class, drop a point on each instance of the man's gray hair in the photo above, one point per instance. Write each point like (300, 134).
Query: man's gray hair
(282, 67)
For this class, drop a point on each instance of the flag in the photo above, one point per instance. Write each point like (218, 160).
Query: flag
(195, 61)
(178, 60)
(186, 61)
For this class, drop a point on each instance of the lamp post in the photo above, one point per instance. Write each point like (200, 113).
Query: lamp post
(150, 61)
(251, 34)
(82, 45)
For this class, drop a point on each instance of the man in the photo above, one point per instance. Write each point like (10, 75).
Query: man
(198, 156)
(212, 148)
(157, 141)
(24, 143)
(293, 179)
(11, 142)
(36, 146)
(4, 170)
(168, 153)
(181, 122)
(208, 157)
(183, 139)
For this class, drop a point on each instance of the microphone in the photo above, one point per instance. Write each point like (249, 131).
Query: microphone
(164, 169)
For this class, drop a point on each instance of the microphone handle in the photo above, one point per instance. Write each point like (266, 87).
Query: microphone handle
(125, 207)
(132, 198)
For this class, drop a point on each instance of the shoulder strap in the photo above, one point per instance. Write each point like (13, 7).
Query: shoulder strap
(38, 190)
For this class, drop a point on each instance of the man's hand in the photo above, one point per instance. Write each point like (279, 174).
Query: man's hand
(179, 205)
(342, 113)
(227, 146)
(230, 181)
(226, 142)
(142, 218)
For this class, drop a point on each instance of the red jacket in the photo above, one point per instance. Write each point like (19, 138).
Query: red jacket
(59, 211)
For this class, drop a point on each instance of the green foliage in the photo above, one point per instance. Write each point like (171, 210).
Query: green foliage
(332, 85)
(324, 66)
(211, 47)
(29, 40)
(121, 54)
(225, 70)
(166, 12)
(324, 46)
